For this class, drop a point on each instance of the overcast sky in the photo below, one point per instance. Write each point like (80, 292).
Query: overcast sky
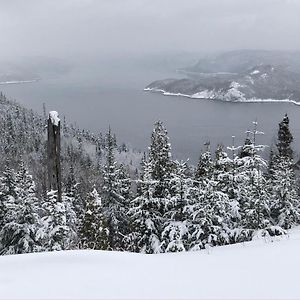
(99, 27)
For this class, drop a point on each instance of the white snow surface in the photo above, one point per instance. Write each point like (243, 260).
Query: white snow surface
(254, 270)
(53, 115)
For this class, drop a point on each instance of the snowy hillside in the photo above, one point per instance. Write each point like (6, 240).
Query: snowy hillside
(261, 83)
(253, 270)
(238, 76)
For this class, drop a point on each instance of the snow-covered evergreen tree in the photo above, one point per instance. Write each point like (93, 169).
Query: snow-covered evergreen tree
(205, 165)
(175, 236)
(55, 231)
(254, 197)
(222, 169)
(285, 138)
(209, 213)
(94, 232)
(160, 160)
(115, 196)
(22, 220)
(73, 221)
(285, 198)
(145, 216)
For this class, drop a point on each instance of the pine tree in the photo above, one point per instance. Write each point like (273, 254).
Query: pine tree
(254, 199)
(145, 216)
(55, 232)
(8, 196)
(22, 220)
(94, 232)
(160, 160)
(285, 139)
(74, 205)
(247, 147)
(285, 205)
(205, 165)
(73, 221)
(209, 213)
(115, 196)
(272, 163)
(222, 169)
(175, 233)
(175, 236)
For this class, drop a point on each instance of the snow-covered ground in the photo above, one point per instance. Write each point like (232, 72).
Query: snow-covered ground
(254, 270)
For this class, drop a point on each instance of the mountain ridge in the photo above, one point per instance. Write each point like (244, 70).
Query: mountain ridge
(263, 82)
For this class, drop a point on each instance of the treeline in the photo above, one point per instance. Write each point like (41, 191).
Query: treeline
(233, 195)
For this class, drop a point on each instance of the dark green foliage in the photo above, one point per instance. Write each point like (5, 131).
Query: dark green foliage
(284, 189)
(160, 160)
(285, 139)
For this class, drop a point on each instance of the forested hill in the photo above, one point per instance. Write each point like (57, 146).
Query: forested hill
(233, 195)
(239, 76)
(23, 135)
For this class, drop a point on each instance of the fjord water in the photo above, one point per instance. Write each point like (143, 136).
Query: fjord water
(95, 99)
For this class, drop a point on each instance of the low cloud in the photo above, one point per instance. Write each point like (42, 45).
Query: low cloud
(113, 27)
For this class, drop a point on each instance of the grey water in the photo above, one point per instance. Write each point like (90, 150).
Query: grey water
(97, 98)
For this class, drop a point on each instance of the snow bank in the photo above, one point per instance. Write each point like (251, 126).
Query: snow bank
(254, 270)
(53, 115)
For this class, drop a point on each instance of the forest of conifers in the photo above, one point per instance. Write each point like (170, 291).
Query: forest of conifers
(111, 202)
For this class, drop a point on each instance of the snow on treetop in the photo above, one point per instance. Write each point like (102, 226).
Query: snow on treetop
(53, 115)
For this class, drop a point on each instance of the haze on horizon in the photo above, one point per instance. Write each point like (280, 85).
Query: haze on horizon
(103, 28)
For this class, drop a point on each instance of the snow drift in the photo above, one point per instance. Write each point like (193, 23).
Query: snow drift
(254, 270)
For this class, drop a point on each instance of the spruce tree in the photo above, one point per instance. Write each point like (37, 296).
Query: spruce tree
(175, 234)
(94, 232)
(160, 160)
(285, 205)
(205, 165)
(22, 215)
(115, 196)
(254, 199)
(55, 232)
(145, 216)
(285, 138)
(209, 212)
(222, 169)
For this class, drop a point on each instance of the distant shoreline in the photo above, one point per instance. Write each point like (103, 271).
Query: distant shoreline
(252, 100)
(18, 81)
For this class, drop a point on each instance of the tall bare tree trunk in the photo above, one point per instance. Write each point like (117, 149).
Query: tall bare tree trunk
(54, 169)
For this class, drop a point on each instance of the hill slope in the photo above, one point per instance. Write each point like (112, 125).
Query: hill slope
(254, 270)
(239, 76)
(238, 61)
